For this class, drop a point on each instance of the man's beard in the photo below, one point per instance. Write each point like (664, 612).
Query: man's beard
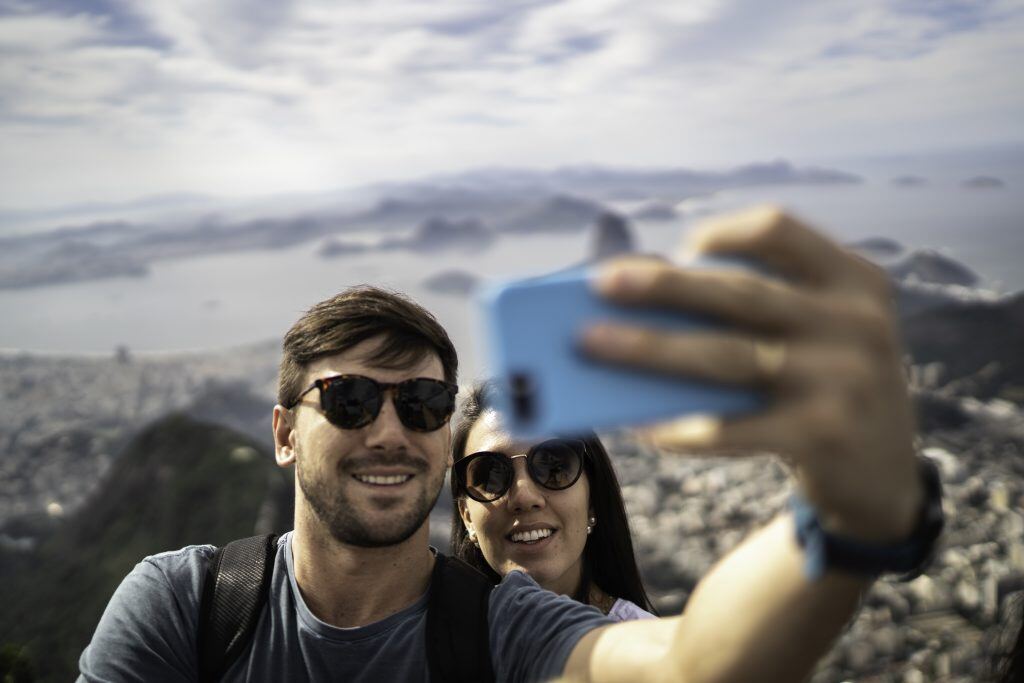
(346, 521)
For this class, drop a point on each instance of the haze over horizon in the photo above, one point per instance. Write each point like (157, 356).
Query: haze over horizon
(113, 100)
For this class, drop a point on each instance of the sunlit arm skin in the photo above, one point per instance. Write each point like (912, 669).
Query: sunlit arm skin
(754, 617)
(821, 341)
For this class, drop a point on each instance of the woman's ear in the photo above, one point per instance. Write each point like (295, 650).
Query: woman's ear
(467, 522)
(464, 513)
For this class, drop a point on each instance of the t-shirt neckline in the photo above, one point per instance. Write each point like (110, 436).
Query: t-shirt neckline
(337, 633)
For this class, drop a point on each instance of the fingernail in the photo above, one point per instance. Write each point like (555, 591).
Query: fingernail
(602, 336)
(693, 431)
(623, 279)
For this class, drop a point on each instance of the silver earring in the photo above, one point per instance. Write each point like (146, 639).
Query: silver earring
(472, 536)
(591, 523)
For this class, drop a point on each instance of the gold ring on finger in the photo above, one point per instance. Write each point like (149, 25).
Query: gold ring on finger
(769, 357)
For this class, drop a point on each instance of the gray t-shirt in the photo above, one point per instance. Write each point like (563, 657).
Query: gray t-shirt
(148, 631)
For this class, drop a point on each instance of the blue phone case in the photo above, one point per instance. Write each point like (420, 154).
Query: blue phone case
(547, 386)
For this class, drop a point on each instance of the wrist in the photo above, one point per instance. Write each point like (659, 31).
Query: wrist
(891, 522)
(826, 548)
(883, 507)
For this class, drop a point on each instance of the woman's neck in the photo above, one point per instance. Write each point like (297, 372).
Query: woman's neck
(599, 599)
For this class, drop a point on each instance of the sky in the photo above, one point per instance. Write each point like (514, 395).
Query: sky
(111, 100)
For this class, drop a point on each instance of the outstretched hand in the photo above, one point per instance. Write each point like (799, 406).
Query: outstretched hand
(822, 342)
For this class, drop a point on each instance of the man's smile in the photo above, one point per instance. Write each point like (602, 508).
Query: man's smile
(382, 479)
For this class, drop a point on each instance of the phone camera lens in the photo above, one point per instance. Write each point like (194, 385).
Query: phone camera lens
(522, 396)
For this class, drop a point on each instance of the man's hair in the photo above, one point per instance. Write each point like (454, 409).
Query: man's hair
(409, 334)
(608, 556)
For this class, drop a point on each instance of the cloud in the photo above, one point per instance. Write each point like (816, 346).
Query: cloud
(241, 98)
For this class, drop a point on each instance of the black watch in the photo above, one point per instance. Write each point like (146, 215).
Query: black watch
(910, 558)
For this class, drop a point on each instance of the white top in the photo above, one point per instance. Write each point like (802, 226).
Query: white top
(624, 610)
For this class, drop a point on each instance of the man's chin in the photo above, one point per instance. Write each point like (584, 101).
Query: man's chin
(384, 522)
(369, 535)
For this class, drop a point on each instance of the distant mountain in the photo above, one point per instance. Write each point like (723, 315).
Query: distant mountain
(969, 338)
(236, 407)
(332, 247)
(402, 205)
(782, 172)
(909, 181)
(984, 182)
(620, 183)
(452, 210)
(99, 232)
(179, 482)
(66, 256)
(175, 202)
(978, 343)
(438, 233)
(72, 261)
(878, 249)
(928, 265)
(655, 211)
(914, 297)
(925, 279)
(456, 282)
(561, 213)
(434, 234)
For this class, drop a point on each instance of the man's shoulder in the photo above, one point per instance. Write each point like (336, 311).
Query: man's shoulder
(178, 565)
(185, 568)
(533, 631)
(519, 591)
(187, 555)
(515, 583)
(149, 623)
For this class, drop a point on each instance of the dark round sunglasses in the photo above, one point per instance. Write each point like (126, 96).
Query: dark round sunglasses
(353, 401)
(555, 464)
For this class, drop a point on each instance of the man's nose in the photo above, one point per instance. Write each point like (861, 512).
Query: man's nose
(524, 494)
(387, 432)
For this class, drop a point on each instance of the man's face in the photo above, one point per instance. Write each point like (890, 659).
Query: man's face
(372, 486)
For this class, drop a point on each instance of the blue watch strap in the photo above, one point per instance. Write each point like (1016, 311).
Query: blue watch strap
(824, 550)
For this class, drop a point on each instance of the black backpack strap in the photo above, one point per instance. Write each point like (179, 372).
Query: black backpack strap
(234, 593)
(458, 646)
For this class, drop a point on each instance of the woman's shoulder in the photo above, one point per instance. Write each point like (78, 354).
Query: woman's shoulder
(624, 610)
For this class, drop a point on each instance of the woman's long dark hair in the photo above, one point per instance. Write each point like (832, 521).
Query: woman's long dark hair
(1009, 661)
(608, 558)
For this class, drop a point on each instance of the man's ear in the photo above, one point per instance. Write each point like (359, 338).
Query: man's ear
(284, 436)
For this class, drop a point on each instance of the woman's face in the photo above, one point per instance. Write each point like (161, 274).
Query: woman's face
(555, 561)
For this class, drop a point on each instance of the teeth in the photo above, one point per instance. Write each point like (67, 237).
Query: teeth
(530, 536)
(389, 480)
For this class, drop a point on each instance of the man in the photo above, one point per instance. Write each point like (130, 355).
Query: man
(347, 596)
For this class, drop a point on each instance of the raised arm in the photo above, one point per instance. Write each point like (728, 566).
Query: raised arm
(822, 342)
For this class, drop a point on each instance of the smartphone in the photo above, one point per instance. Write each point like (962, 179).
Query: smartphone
(545, 385)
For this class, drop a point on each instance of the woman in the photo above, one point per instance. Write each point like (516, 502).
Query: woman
(556, 513)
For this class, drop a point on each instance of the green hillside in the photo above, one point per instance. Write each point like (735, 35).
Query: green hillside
(179, 482)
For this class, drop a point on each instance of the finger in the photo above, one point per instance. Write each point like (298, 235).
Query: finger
(771, 235)
(739, 297)
(762, 305)
(723, 357)
(770, 431)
